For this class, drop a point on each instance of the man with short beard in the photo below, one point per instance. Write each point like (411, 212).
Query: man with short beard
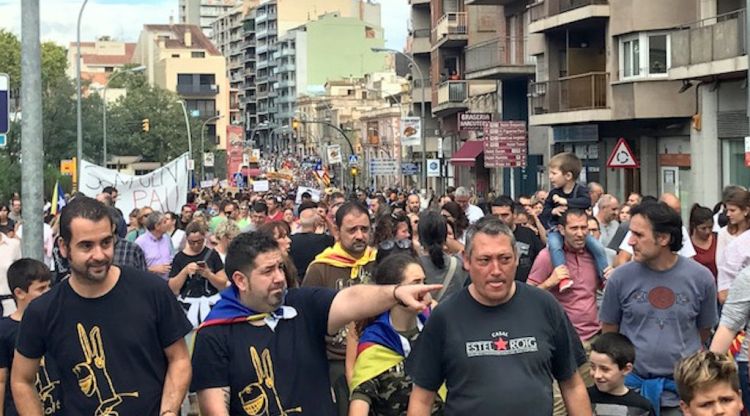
(349, 262)
(116, 333)
(413, 204)
(186, 216)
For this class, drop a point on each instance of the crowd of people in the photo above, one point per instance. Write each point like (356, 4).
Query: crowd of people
(566, 301)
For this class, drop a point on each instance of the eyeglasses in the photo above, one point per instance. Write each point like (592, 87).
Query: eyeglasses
(196, 242)
(228, 212)
(390, 244)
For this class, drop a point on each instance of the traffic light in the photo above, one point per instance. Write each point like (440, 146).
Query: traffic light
(295, 124)
(355, 171)
(145, 125)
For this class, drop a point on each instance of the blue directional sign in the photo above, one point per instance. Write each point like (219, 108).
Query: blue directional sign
(4, 103)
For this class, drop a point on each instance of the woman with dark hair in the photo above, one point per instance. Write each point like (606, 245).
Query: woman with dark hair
(453, 213)
(441, 267)
(394, 226)
(280, 231)
(379, 384)
(737, 203)
(7, 225)
(702, 236)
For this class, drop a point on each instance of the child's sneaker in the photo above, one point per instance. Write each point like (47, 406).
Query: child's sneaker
(565, 284)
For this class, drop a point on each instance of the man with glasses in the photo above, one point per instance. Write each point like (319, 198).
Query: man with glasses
(349, 262)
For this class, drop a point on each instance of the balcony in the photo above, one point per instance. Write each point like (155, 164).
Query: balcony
(200, 90)
(420, 41)
(451, 31)
(571, 95)
(248, 57)
(421, 90)
(286, 99)
(286, 68)
(288, 52)
(451, 98)
(710, 47)
(553, 14)
(502, 58)
(287, 83)
(261, 48)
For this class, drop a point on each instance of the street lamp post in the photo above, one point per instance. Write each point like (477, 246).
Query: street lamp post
(190, 141)
(203, 151)
(104, 108)
(422, 115)
(79, 125)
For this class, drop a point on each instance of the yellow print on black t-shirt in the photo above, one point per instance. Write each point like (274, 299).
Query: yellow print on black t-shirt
(45, 386)
(92, 374)
(255, 397)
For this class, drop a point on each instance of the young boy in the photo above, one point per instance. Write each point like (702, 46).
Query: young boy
(27, 279)
(612, 357)
(708, 385)
(566, 192)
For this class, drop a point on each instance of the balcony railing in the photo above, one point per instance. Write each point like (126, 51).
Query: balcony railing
(505, 51)
(453, 92)
(546, 8)
(712, 39)
(577, 92)
(450, 24)
(201, 89)
(421, 33)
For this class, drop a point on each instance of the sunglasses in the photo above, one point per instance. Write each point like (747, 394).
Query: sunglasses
(390, 244)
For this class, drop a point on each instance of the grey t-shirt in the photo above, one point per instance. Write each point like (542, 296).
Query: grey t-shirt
(496, 361)
(661, 313)
(434, 275)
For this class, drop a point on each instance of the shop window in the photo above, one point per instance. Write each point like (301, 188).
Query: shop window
(644, 55)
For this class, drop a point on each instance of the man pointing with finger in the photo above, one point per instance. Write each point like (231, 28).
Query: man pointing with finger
(262, 349)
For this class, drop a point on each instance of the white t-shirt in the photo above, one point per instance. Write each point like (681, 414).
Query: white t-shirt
(474, 213)
(687, 249)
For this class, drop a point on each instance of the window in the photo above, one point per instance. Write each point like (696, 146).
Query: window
(197, 54)
(644, 55)
(733, 162)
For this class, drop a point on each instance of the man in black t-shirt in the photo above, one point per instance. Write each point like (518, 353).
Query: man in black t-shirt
(262, 350)
(497, 344)
(528, 245)
(116, 333)
(307, 244)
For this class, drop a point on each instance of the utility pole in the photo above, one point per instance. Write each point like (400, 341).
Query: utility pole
(32, 182)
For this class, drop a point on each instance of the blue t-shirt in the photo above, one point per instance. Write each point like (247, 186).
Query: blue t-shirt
(266, 369)
(661, 312)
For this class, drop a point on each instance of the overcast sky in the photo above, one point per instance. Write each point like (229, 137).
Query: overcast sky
(123, 19)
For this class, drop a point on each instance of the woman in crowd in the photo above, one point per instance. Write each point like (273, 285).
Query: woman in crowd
(225, 232)
(440, 266)
(455, 215)
(737, 203)
(7, 225)
(243, 221)
(133, 220)
(197, 274)
(703, 238)
(290, 220)
(281, 232)
(380, 386)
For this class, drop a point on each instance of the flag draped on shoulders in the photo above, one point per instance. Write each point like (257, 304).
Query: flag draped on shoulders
(336, 256)
(230, 310)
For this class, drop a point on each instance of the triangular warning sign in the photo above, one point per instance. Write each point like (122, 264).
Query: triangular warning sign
(622, 156)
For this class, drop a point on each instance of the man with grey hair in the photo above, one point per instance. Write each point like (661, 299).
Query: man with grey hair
(607, 217)
(497, 345)
(156, 244)
(473, 212)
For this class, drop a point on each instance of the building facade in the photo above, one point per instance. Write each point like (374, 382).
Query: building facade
(180, 58)
(99, 60)
(203, 13)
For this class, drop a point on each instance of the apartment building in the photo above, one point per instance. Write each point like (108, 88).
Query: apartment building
(203, 13)
(180, 58)
(99, 59)
(272, 20)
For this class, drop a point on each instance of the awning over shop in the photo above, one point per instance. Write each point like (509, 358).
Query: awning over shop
(468, 153)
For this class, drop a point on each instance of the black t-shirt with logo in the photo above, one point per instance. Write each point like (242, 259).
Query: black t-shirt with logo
(48, 380)
(629, 404)
(110, 349)
(271, 372)
(529, 246)
(197, 286)
(495, 361)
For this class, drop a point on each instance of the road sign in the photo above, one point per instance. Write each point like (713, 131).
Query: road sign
(4, 104)
(353, 160)
(239, 180)
(334, 154)
(505, 144)
(3, 140)
(433, 168)
(383, 167)
(622, 156)
(409, 168)
(208, 159)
